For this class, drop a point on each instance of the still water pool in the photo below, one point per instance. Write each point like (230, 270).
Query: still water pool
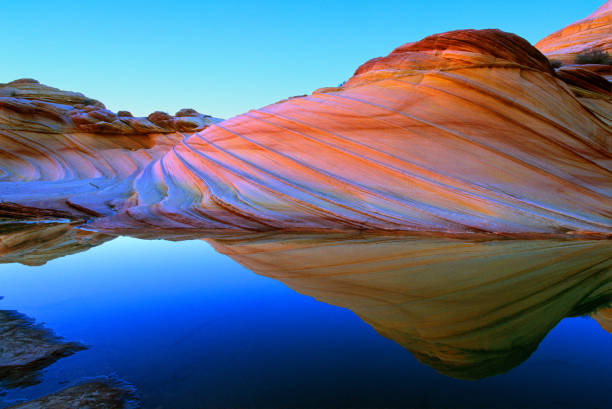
(326, 321)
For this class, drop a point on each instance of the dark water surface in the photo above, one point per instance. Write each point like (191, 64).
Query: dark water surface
(189, 327)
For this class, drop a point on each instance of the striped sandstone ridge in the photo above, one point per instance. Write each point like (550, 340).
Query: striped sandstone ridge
(591, 33)
(465, 131)
(468, 131)
(469, 309)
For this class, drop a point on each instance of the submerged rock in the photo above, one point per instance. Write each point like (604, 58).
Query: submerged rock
(103, 393)
(27, 348)
(593, 33)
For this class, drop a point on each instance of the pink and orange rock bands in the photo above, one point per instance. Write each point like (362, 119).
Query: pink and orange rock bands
(461, 132)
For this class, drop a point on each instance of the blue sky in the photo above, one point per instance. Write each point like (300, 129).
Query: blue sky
(223, 58)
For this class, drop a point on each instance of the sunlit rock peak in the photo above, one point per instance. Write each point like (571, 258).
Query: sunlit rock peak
(591, 33)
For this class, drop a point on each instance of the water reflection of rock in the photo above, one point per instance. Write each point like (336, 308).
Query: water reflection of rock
(37, 243)
(604, 318)
(469, 309)
(27, 348)
(95, 394)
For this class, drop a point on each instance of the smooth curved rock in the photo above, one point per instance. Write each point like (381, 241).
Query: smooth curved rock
(591, 33)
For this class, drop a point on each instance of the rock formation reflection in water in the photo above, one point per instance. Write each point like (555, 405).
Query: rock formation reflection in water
(468, 308)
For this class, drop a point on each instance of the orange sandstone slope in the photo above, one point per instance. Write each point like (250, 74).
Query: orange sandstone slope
(465, 131)
(591, 33)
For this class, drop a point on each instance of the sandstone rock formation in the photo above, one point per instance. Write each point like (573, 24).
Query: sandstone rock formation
(591, 33)
(465, 131)
(469, 309)
(462, 132)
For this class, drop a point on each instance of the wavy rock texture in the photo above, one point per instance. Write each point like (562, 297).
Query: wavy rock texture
(464, 131)
(591, 33)
(469, 309)
(461, 132)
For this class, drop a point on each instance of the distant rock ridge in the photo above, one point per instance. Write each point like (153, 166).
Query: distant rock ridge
(591, 33)
(27, 105)
(469, 131)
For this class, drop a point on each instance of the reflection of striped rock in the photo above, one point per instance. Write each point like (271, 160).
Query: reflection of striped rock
(462, 131)
(468, 309)
(604, 318)
(591, 33)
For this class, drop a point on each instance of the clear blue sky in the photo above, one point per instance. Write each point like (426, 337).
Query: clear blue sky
(224, 57)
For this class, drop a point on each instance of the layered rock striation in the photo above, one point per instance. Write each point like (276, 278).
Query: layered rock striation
(466, 131)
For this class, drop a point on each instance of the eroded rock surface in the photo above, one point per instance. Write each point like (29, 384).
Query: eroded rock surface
(591, 33)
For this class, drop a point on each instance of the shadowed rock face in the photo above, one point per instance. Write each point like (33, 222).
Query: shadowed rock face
(95, 394)
(27, 348)
(469, 309)
(591, 33)
(462, 132)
